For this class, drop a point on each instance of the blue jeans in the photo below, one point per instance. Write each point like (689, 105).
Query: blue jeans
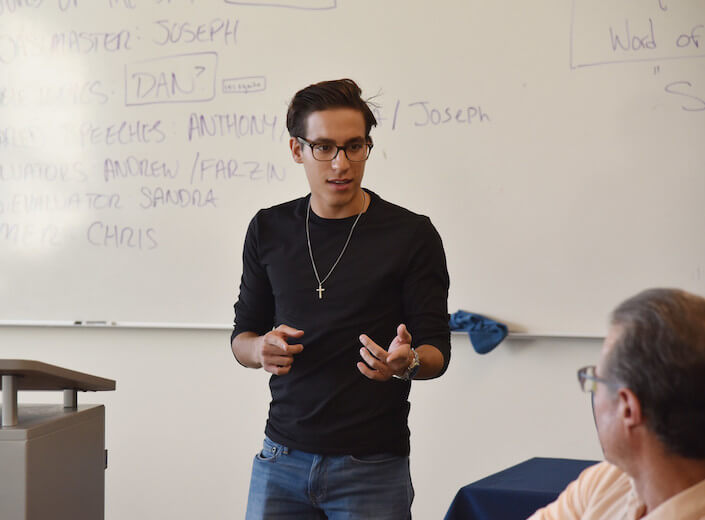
(289, 483)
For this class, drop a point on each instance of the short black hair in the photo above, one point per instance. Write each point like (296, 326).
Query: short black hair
(339, 93)
(660, 356)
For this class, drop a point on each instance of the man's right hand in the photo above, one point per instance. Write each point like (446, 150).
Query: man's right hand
(274, 353)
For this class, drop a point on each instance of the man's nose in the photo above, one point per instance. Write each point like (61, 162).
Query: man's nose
(341, 160)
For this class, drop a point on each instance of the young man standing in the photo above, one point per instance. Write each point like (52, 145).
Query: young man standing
(343, 299)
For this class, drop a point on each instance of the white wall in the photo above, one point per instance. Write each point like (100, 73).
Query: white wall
(186, 419)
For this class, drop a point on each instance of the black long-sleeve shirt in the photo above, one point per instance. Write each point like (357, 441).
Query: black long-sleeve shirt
(393, 271)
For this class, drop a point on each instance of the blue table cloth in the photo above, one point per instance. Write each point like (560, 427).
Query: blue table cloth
(516, 492)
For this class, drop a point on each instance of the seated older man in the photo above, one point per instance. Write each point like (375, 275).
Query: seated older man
(648, 395)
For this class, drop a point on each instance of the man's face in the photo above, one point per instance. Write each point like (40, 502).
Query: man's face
(605, 404)
(335, 185)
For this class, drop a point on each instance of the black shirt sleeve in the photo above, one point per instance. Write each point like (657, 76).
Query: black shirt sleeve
(254, 309)
(425, 292)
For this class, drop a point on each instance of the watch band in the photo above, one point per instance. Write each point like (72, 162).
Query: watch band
(412, 369)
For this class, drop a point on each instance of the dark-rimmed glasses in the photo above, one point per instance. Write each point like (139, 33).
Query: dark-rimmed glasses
(356, 151)
(588, 380)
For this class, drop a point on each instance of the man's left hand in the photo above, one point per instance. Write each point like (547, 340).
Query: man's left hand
(382, 364)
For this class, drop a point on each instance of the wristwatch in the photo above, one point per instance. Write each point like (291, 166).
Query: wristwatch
(412, 369)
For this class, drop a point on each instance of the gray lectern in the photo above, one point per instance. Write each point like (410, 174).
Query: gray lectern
(52, 457)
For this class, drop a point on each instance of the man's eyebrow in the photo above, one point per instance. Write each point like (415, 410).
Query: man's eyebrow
(325, 140)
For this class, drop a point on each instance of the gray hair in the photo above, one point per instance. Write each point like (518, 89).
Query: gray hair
(660, 356)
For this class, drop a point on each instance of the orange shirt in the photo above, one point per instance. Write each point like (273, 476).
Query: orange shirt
(605, 492)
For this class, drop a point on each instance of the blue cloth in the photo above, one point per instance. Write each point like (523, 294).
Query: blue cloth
(485, 334)
(516, 492)
(288, 483)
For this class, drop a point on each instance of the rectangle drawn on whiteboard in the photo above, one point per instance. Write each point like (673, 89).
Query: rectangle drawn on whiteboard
(291, 4)
(181, 78)
(244, 85)
(623, 31)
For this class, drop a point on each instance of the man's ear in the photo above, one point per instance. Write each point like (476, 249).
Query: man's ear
(629, 409)
(296, 150)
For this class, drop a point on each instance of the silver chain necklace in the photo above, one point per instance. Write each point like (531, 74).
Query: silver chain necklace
(310, 251)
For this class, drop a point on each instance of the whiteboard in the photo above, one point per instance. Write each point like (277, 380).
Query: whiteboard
(557, 146)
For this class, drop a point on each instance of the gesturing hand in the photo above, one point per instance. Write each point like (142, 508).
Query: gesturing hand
(383, 364)
(274, 353)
